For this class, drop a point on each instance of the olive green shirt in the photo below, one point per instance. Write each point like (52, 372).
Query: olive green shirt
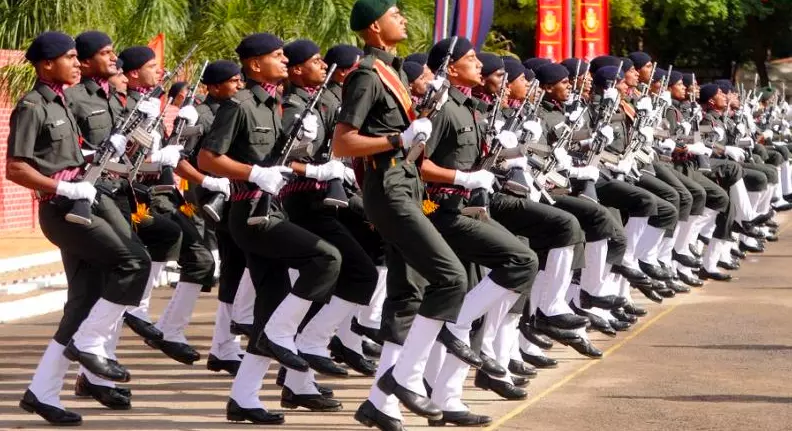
(93, 111)
(295, 101)
(455, 142)
(44, 132)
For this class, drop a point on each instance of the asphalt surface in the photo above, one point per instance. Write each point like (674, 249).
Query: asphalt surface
(719, 358)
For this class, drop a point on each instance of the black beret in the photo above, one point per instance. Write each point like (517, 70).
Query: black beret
(572, 66)
(639, 59)
(490, 63)
(530, 75)
(343, 56)
(135, 57)
(90, 42)
(220, 71)
(659, 74)
(724, 84)
(300, 51)
(707, 92)
(607, 73)
(440, 49)
(627, 64)
(418, 57)
(258, 44)
(365, 12)
(687, 79)
(513, 67)
(674, 77)
(48, 46)
(535, 63)
(413, 70)
(176, 88)
(602, 61)
(551, 73)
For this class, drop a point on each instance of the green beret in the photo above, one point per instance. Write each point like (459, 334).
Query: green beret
(365, 12)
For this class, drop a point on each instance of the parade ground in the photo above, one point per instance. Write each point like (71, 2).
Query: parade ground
(717, 359)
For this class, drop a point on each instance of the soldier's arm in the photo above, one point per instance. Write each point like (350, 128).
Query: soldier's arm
(291, 111)
(26, 121)
(212, 157)
(360, 93)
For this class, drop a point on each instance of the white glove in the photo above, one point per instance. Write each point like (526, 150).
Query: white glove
(611, 94)
(623, 166)
(736, 154)
(741, 129)
(119, 143)
(349, 175)
(697, 149)
(475, 180)
(574, 115)
(648, 133)
(517, 162)
(767, 134)
(189, 114)
(534, 129)
(668, 145)
(437, 85)
(507, 139)
(310, 128)
(645, 104)
(420, 129)
(698, 115)
(686, 127)
(720, 132)
(76, 191)
(499, 125)
(271, 179)
(607, 133)
(745, 143)
(168, 156)
(156, 141)
(586, 173)
(149, 107)
(222, 185)
(666, 97)
(331, 170)
(563, 159)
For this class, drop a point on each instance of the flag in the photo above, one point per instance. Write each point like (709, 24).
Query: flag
(158, 45)
(552, 29)
(470, 19)
(591, 29)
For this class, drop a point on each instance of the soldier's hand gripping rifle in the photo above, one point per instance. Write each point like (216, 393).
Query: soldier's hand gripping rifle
(432, 102)
(293, 149)
(608, 106)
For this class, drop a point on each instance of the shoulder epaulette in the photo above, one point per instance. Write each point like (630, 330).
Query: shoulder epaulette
(30, 99)
(367, 62)
(241, 96)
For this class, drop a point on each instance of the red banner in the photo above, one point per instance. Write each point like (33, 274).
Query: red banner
(591, 29)
(552, 29)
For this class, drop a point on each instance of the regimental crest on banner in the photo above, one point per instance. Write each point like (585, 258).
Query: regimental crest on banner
(550, 23)
(591, 21)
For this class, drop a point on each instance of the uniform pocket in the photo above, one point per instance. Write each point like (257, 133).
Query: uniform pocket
(99, 121)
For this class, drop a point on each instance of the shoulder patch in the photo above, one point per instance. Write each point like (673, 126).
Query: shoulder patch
(366, 62)
(31, 99)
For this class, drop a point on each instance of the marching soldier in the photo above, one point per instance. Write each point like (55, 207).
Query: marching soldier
(44, 155)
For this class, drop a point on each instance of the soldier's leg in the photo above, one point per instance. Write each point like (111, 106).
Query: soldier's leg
(232, 266)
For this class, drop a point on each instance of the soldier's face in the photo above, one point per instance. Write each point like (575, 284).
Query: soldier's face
(102, 64)
(622, 87)
(645, 73)
(392, 26)
(228, 89)
(518, 89)
(734, 101)
(677, 90)
(418, 87)
(719, 101)
(656, 87)
(271, 67)
(492, 82)
(64, 69)
(559, 91)
(149, 74)
(179, 99)
(466, 71)
(631, 77)
(119, 82)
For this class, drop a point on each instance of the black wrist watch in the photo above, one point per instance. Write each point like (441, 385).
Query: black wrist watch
(395, 140)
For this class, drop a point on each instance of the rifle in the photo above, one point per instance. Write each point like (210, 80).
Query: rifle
(80, 212)
(141, 136)
(430, 104)
(259, 207)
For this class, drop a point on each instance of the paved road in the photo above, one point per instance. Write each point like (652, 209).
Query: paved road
(720, 358)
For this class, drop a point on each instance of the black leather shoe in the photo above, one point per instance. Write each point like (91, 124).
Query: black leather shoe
(81, 392)
(772, 237)
(371, 349)
(357, 362)
(691, 281)
(649, 292)
(217, 365)
(731, 265)
(314, 403)
(585, 348)
(323, 365)
(618, 325)
(458, 348)
(597, 323)
(688, 261)
(145, 330)
(694, 251)
(504, 389)
(371, 333)
(51, 414)
(462, 419)
(635, 310)
(492, 367)
(664, 291)
(520, 382)
(748, 229)
(538, 340)
(676, 287)
(521, 369)
(763, 218)
(235, 413)
(428, 388)
(280, 379)
(623, 316)
(369, 416)
(416, 403)
(562, 321)
(608, 302)
(106, 396)
(783, 207)
(245, 329)
(540, 362)
(286, 357)
(99, 365)
(717, 276)
(563, 336)
(654, 271)
(751, 248)
(179, 352)
(772, 224)
(633, 275)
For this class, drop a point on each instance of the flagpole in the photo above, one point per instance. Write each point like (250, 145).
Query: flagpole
(570, 29)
